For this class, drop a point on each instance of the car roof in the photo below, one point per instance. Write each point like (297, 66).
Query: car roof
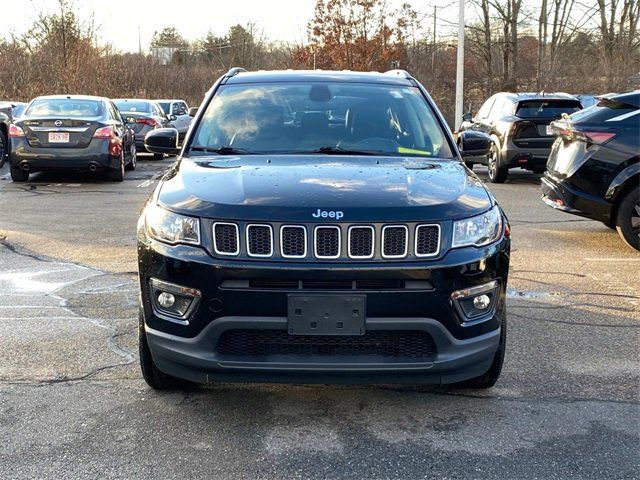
(134, 100)
(169, 100)
(394, 77)
(71, 97)
(517, 97)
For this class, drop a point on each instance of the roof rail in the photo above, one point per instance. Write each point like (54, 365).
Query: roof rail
(399, 73)
(233, 71)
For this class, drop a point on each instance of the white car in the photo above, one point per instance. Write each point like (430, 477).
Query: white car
(180, 109)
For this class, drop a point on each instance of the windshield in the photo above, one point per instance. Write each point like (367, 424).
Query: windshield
(166, 106)
(321, 118)
(64, 107)
(547, 108)
(133, 106)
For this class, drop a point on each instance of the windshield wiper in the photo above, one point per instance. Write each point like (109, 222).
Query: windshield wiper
(345, 151)
(225, 150)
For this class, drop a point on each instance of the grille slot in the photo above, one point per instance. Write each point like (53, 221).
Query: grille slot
(383, 343)
(394, 241)
(287, 284)
(427, 240)
(259, 240)
(293, 241)
(361, 242)
(226, 238)
(327, 242)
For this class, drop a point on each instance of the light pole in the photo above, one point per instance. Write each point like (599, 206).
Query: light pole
(460, 68)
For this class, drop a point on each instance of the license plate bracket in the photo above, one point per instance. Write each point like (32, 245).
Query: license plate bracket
(326, 314)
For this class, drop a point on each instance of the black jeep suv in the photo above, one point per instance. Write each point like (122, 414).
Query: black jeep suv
(321, 227)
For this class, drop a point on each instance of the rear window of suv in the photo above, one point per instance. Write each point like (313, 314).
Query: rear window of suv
(67, 107)
(297, 117)
(546, 108)
(133, 106)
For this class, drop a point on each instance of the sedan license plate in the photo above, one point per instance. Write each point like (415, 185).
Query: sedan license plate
(549, 130)
(326, 315)
(58, 137)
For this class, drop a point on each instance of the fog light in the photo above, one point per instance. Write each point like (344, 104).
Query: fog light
(476, 304)
(166, 300)
(173, 302)
(481, 302)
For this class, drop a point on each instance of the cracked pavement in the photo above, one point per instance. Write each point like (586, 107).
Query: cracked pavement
(73, 404)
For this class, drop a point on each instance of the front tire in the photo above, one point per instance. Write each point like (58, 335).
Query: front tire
(497, 173)
(151, 374)
(628, 218)
(18, 174)
(490, 377)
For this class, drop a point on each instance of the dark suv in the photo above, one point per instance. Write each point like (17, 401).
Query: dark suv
(594, 167)
(321, 227)
(519, 125)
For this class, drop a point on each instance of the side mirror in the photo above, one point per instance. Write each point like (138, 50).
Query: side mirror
(162, 140)
(172, 117)
(467, 117)
(193, 111)
(130, 120)
(474, 144)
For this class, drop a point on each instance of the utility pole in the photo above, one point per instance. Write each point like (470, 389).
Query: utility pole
(460, 68)
(433, 45)
(139, 41)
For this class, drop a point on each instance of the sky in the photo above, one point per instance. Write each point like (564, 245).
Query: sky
(118, 20)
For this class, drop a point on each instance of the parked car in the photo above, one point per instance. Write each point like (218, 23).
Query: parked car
(71, 132)
(180, 110)
(143, 116)
(594, 166)
(353, 250)
(519, 127)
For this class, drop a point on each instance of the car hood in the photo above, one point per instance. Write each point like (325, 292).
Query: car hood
(292, 188)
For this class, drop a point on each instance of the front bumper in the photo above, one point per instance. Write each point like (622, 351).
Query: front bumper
(560, 195)
(190, 350)
(196, 358)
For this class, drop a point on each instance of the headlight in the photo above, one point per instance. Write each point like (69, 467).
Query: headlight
(479, 230)
(171, 227)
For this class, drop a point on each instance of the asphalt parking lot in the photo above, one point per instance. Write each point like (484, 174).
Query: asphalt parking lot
(73, 403)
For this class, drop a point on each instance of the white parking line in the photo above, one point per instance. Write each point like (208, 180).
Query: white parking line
(611, 259)
(144, 184)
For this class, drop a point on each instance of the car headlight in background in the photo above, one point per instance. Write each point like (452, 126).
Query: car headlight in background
(170, 227)
(479, 230)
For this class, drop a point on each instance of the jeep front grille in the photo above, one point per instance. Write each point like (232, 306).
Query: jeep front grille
(226, 240)
(327, 242)
(293, 241)
(394, 241)
(259, 240)
(427, 240)
(361, 242)
(338, 242)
